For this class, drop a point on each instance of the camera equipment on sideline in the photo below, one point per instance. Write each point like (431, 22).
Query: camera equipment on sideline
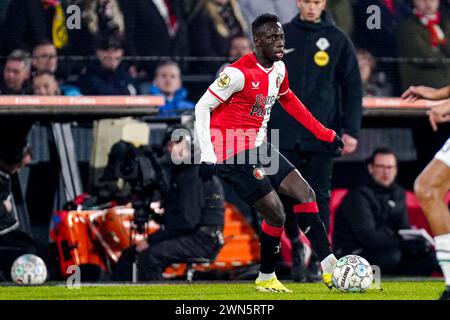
(143, 173)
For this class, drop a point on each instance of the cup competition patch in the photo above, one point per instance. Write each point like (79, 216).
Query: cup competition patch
(223, 81)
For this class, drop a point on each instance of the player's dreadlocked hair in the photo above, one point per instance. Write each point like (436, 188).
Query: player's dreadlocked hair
(262, 20)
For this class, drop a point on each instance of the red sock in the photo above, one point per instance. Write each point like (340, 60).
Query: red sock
(308, 207)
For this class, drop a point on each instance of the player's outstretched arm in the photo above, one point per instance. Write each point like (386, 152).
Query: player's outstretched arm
(439, 114)
(414, 93)
(297, 110)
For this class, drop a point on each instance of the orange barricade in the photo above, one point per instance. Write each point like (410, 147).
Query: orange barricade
(93, 237)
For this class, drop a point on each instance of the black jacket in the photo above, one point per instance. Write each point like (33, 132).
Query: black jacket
(370, 217)
(191, 203)
(333, 92)
(146, 33)
(99, 81)
(380, 42)
(26, 24)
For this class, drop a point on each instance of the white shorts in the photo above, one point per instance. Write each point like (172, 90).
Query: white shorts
(444, 153)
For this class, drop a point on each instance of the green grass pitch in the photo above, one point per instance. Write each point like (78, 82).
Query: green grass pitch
(417, 290)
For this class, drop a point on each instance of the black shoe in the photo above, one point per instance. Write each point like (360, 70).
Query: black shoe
(314, 273)
(298, 270)
(446, 294)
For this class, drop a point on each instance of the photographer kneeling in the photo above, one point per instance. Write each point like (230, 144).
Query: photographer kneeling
(15, 233)
(193, 219)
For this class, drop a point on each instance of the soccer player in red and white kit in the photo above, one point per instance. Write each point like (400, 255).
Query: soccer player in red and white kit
(241, 100)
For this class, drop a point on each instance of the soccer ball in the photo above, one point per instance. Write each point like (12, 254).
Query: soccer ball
(29, 269)
(352, 273)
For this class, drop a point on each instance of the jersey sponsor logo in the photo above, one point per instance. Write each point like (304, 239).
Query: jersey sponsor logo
(321, 58)
(255, 85)
(223, 81)
(259, 109)
(258, 173)
(261, 100)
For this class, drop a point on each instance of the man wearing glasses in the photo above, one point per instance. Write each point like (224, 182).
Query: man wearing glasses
(370, 216)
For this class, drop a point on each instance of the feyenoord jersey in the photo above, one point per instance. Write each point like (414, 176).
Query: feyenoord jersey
(247, 92)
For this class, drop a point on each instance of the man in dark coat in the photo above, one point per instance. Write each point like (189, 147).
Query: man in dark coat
(107, 76)
(193, 218)
(381, 41)
(31, 21)
(152, 30)
(370, 216)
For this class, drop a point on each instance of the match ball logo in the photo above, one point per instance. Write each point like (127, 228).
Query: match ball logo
(258, 173)
(223, 81)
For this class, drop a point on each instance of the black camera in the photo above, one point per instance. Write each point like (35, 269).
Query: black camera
(142, 171)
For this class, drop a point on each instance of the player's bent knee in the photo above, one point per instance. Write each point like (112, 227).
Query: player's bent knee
(426, 192)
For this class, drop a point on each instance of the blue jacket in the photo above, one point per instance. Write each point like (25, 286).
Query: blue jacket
(69, 90)
(175, 106)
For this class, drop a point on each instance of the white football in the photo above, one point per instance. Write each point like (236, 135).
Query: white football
(352, 273)
(29, 269)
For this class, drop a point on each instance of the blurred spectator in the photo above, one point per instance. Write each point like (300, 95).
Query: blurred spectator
(342, 13)
(381, 42)
(240, 45)
(100, 19)
(370, 216)
(32, 21)
(45, 84)
(154, 28)
(425, 35)
(211, 28)
(284, 9)
(374, 83)
(107, 76)
(45, 57)
(16, 74)
(167, 82)
(193, 218)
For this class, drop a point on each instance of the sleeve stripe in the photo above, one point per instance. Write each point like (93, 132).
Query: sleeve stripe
(215, 95)
(282, 94)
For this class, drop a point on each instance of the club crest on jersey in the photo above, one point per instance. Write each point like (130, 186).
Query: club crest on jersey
(223, 81)
(258, 173)
(278, 81)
